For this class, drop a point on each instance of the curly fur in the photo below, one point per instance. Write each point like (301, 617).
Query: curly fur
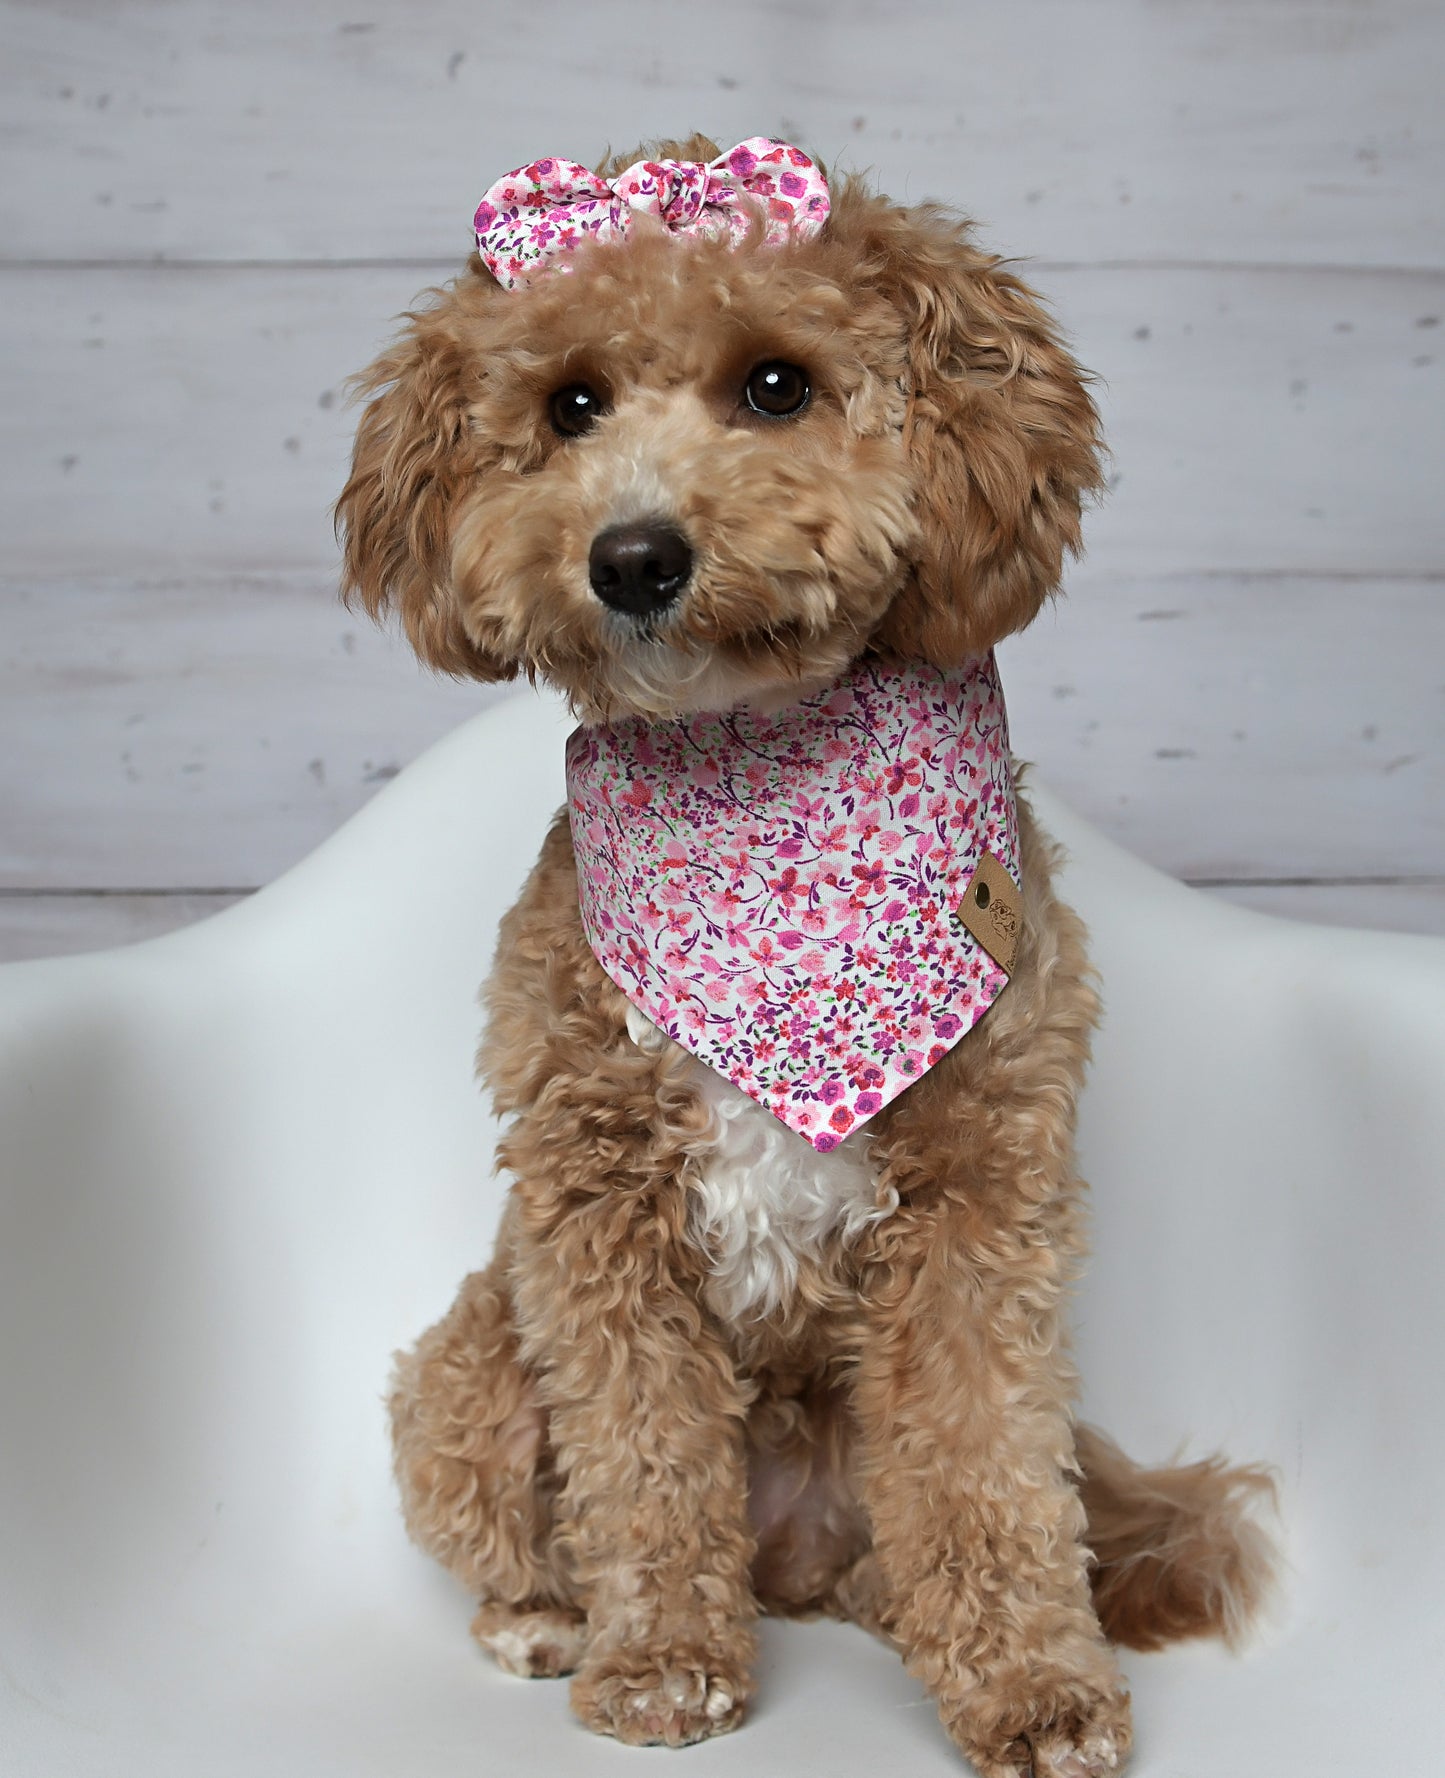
(707, 1371)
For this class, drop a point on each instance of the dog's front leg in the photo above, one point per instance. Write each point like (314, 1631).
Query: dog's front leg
(647, 1418)
(962, 1399)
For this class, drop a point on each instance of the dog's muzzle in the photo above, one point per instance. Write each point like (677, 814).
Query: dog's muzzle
(639, 569)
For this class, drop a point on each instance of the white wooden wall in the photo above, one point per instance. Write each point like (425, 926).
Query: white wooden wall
(210, 212)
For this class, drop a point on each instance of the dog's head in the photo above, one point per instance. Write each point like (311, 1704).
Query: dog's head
(696, 473)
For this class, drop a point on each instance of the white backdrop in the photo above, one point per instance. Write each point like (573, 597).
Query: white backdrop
(210, 213)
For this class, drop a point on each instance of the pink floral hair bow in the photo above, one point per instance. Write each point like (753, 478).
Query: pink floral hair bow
(532, 218)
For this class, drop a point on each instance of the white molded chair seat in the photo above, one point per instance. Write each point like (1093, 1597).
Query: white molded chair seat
(243, 1163)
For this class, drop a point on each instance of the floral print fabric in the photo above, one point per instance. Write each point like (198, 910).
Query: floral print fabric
(533, 217)
(777, 893)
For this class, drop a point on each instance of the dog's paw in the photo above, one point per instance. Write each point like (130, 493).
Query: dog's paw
(534, 1642)
(1067, 1730)
(667, 1698)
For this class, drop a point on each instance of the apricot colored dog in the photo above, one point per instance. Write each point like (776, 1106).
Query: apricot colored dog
(711, 1370)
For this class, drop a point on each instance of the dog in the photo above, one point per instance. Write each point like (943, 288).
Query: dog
(697, 441)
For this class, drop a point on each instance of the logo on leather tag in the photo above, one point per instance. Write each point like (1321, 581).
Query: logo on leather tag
(991, 910)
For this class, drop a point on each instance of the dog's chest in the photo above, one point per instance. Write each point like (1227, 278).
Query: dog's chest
(763, 1200)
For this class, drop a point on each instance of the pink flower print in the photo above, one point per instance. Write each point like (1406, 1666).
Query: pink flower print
(791, 185)
(947, 1025)
(742, 161)
(868, 1103)
(841, 1118)
(787, 887)
(906, 771)
(777, 966)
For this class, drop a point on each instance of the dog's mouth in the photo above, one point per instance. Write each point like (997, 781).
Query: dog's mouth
(658, 667)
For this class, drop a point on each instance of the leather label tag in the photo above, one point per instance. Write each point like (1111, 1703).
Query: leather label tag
(991, 910)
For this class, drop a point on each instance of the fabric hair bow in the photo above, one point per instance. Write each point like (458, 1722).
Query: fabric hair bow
(532, 218)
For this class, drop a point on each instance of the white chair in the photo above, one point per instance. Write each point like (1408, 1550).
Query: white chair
(243, 1163)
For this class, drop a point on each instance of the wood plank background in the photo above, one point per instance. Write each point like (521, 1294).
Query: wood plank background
(209, 215)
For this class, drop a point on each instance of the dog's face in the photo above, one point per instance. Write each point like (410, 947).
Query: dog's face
(688, 475)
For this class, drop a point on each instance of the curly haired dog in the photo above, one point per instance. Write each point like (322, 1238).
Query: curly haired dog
(711, 1371)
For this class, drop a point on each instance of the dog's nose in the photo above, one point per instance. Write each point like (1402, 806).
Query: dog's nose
(639, 568)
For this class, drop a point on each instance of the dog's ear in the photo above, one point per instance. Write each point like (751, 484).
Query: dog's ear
(415, 453)
(1000, 428)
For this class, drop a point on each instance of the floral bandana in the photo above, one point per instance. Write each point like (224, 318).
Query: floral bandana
(786, 895)
(532, 218)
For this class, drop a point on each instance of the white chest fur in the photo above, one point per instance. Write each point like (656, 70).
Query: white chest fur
(764, 1200)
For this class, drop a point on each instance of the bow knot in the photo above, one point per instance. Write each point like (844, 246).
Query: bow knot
(533, 217)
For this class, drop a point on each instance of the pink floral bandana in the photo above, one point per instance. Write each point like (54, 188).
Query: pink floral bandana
(533, 217)
(785, 895)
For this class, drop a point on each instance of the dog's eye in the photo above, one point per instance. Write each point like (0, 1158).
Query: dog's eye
(777, 389)
(575, 410)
